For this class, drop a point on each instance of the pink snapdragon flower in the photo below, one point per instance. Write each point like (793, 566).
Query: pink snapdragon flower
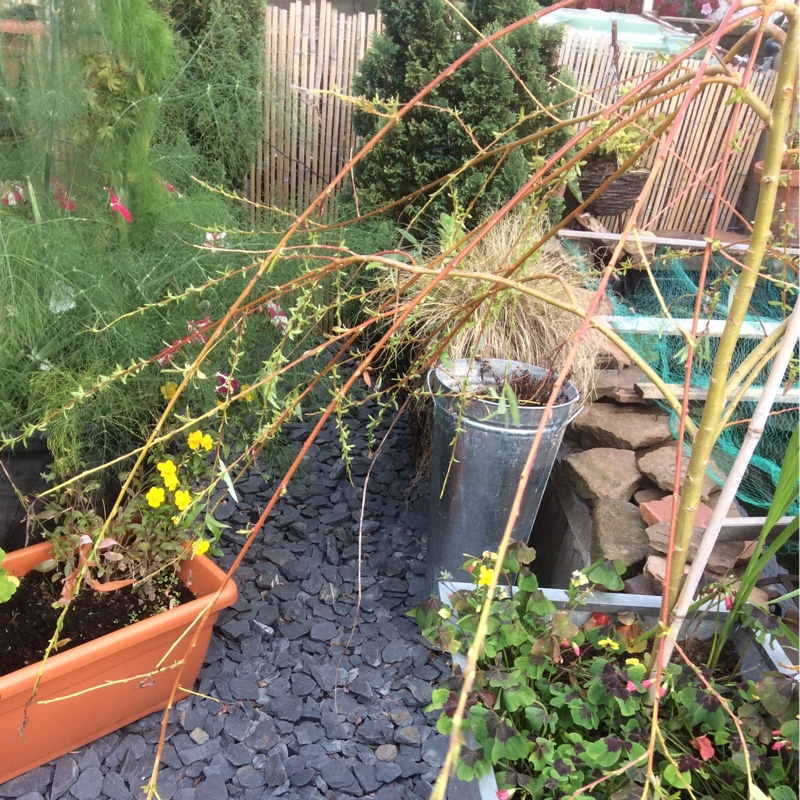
(226, 385)
(118, 206)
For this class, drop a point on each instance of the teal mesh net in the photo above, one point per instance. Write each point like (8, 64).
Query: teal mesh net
(677, 278)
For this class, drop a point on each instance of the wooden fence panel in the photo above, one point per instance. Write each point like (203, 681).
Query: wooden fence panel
(311, 52)
(311, 55)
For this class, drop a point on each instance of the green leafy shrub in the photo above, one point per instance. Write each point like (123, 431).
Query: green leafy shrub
(481, 105)
(562, 701)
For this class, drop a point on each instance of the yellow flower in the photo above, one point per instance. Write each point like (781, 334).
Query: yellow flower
(166, 468)
(176, 520)
(182, 499)
(171, 481)
(155, 497)
(197, 440)
(610, 643)
(246, 393)
(486, 576)
(632, 662)
(168, 390)
(444, 612)
(199, 547)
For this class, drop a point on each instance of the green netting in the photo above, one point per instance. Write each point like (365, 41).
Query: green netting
(677, 279)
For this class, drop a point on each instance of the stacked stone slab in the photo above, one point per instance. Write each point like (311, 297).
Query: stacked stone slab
(622, 469)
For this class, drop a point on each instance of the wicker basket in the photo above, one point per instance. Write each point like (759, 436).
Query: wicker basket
(617, 198)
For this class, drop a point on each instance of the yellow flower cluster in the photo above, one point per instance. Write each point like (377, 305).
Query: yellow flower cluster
(198, 439)
(169, 474)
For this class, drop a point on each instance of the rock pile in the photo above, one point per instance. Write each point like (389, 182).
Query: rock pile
(615, 488)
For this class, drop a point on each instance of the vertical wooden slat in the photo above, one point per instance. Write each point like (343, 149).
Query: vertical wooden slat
(330, 105)
(323, 43)
(282, 139)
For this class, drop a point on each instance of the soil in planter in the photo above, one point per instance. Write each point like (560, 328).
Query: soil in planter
(28, 619)
(529, 390)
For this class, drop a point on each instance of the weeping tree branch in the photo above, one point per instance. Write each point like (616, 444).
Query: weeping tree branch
(714, 407)
(740, 465)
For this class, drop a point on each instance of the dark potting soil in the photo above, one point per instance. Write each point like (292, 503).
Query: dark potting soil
(28, 619)
(529, 390)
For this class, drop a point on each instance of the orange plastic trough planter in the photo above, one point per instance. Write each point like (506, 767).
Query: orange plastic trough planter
(56, 728)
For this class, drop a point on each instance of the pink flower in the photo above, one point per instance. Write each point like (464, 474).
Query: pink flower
(214, 240)
(630, 686)
(196, 328)
(61, 194)
(729, 601)
(118, 206)
(12, 193)
(226, 385)
(278, 316)
(706, 10)
(647, 683)
(781, 744)
(577, 650)
(165, 356)
(504, 794)
(170, 188)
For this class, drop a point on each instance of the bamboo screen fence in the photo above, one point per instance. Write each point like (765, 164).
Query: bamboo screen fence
(312, 52)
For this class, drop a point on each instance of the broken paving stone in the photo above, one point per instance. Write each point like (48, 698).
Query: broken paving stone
(623, 427)
(655, 569)
(618, 532)
(646, 495)
(655, 511)
(722, 558)
(659, 466)
(603, 472)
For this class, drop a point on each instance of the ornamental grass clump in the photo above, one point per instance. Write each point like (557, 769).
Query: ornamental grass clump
(563, 699)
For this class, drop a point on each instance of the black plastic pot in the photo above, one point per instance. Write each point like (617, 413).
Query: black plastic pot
(24, 467)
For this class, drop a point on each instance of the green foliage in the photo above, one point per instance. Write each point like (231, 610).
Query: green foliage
(216, 98)
(8, 583)
(153, 527)
(557, 705)
(482, 101)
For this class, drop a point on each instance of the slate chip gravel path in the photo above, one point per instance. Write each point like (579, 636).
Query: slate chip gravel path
(305, 716)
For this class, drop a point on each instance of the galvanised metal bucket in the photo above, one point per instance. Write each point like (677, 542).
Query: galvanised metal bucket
(473, 488)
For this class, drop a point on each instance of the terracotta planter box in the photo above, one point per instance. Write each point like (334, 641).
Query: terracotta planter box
(56, 728)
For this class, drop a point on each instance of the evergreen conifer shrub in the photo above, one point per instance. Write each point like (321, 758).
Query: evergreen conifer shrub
(419, 39)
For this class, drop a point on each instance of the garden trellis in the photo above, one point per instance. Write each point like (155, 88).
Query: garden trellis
(312, 52)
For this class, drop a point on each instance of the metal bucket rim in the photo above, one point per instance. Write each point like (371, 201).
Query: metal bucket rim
(456, 389)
